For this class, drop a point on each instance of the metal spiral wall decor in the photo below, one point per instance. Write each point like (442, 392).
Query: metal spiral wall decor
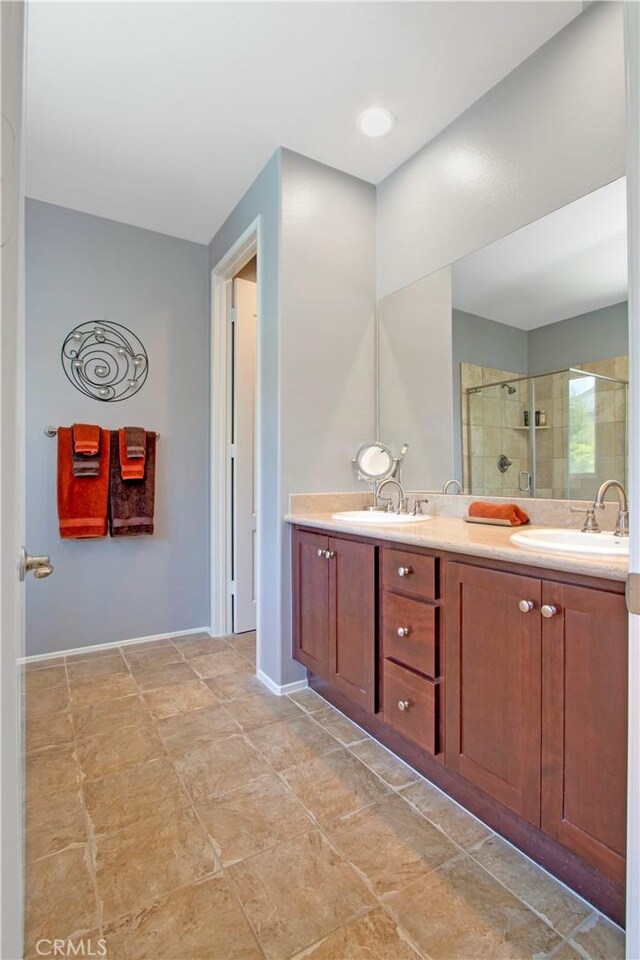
(104, 360)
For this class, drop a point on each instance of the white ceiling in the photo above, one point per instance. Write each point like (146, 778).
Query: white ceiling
(570, 262)
(161, 114)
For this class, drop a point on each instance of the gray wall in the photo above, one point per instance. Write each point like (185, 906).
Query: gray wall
(550, 132)
(316, 307)
(583, 339)
(489, 344)
(79, 267)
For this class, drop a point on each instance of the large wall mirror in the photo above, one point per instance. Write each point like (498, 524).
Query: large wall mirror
(508, 370)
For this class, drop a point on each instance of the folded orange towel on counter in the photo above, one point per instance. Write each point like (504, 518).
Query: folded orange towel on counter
(86, 438)
(499, 511)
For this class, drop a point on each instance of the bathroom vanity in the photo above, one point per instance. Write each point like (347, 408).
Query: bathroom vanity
(499, 675)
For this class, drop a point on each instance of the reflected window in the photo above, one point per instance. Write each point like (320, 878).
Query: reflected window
(582, 430)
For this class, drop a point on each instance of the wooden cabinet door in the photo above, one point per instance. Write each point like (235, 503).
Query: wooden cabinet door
(493, 681)
(352, 628)
(311, 601)
(584, 722)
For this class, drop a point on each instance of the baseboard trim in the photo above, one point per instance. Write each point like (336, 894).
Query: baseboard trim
(281, 690)
(35, 658)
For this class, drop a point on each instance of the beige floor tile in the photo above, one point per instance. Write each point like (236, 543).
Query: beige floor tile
(146, 645)
(390, 844)
(53, 823)
(50, 770)
(388, 767)
(238, 686)
(32, 665)
(110, 715)
(432, 803)
(566, 952)
(108, 753)
(151, 658)
(600, 939)
(216, 767)
(86, 693)
(218, 664)
(460, 911)
(186, 730)
(372, 937)
(59, 897)
(334, 785)
(152, 677)
(279, 890)
(550, 900)
(47, 731)
(252, 818)
(148, 860)
(191, 647)
(179, 698)
(126, 798)
(245, 644)
(254, 712)
(53, 700)
(203, 921)
(291, 741)
(91, 669)
(38, 681)
(309, 700)
(340, 727)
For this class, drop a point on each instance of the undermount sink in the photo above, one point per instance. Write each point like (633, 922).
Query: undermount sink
(378, 516)
(572, 541)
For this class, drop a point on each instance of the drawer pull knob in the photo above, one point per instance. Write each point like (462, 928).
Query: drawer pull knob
(404, 571)
(404, 631)
(329, 554)
(526, 606)
(548, 610)
(403, 705)
(320, 552)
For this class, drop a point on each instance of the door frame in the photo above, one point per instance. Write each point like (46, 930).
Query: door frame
(246, 246)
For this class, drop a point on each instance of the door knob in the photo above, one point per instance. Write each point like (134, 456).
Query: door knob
(526, 606)
(403, 705)
(41, 567)
(404, 571)
(548, 610)
(403, 631)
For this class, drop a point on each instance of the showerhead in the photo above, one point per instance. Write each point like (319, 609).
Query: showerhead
(509, 387)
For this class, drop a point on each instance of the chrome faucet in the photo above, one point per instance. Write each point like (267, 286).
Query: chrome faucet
(451, 483)
(402, 500)
(622, 521)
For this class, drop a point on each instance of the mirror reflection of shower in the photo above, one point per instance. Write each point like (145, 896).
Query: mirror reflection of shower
(509, 387)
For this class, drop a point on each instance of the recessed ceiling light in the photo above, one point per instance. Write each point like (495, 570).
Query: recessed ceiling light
(376, 122)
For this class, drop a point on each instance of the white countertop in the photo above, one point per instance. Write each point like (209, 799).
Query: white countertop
(453, 535)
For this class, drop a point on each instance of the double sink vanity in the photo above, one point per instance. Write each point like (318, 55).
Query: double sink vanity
(496, 669)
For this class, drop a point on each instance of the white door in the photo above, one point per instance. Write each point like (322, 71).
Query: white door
(245, 299)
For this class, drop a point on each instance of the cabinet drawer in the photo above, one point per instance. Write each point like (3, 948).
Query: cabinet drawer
(418, 721)
(410, 632)
(411, 573)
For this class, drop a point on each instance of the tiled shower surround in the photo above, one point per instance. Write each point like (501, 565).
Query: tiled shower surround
(493, 423)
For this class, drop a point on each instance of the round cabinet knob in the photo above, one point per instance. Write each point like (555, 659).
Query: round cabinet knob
(403, 705)
(329, 554)
(404, 631)
(526, 606)
(548, 610)
(320, 552)
(404, 571)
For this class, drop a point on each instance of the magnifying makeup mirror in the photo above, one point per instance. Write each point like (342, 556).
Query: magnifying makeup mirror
(374, 462)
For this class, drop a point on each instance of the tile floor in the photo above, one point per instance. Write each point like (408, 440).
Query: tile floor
(178, 809)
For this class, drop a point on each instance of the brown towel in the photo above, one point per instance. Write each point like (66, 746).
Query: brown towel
(135, 440)
(82, 502)
(86, 438)
(499, 511)
(129, 469)
(131, 502)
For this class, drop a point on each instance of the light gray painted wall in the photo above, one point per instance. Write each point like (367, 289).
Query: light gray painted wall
(550, 132)
(487, 343)
(79, 267)
(317, 299)
(590, 336)
(416, 403)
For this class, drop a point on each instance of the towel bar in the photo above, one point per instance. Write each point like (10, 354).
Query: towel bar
(52, 431)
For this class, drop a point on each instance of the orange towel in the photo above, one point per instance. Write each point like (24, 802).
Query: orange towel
(130, 469)
(82, 501)
(499, 511)
(86, 438)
